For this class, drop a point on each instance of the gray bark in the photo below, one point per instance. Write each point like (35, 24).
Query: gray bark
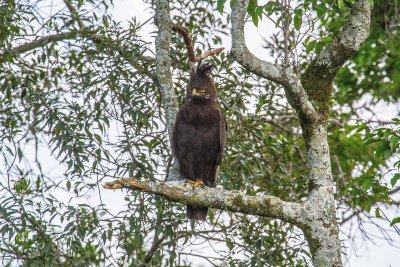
(309, 95)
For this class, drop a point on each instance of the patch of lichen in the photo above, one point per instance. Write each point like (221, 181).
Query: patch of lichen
(237, 200)
(317, 82)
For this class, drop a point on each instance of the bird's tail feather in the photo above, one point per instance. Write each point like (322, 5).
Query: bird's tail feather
(196, 213)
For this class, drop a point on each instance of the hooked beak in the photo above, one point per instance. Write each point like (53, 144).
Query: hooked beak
(196, 93)
(199, 95)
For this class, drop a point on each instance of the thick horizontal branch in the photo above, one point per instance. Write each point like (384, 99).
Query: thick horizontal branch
(262, 205)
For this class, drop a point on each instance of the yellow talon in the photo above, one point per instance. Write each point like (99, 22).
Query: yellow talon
(196, 183)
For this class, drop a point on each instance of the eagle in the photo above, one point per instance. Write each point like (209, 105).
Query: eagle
(199, 135)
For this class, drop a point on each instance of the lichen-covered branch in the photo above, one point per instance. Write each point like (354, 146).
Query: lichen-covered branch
(349, 40)
(240, 51)
(318, 77)
(163, 63)
(262, 205)
(283, 75)
(297, 96)
(164, 75)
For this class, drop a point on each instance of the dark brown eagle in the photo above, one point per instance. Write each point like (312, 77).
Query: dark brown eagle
(199, 135)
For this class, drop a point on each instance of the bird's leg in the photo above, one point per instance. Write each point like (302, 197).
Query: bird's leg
(196, 183)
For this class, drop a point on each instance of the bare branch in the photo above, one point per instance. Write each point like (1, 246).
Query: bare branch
(262, 205)
(187, 39)
(189, 45)
(208, 53)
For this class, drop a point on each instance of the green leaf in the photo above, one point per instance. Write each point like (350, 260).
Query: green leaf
(220, 5)
(395, 178)
(341, 4)
(394, 221)
(254, 17)
(297, 22)
(68, 185)
(20, 154)
(310, 46)
(394, 141)
(363, 126)
(319, 46)
(377, 213)
(366, 204)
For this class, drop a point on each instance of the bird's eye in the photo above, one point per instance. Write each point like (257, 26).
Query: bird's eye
(203, 90)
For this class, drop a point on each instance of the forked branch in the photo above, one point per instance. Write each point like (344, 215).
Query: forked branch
(189, 45)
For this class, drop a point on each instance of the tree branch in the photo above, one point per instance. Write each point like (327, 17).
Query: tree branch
(262, 205)
(189, 45)
(163, 62)
(318, 77)
(187, 39)
(74, 13)
(349, 40)
(39, 43)
(282, 75)
(164, 75)
(241, 53)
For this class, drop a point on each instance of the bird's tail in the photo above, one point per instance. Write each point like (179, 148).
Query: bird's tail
(196, 213)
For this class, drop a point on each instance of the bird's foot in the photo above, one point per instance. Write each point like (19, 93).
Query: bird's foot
(196, 183)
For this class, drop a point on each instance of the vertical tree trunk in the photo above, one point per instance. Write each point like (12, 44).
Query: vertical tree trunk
(322, 232)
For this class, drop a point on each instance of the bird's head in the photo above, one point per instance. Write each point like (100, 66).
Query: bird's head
(201, 88)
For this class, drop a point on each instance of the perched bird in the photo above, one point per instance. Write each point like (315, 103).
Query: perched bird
(199, 135)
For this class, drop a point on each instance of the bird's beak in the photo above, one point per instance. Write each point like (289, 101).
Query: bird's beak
(195, 92)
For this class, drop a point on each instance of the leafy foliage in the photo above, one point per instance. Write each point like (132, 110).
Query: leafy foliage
(90, 106)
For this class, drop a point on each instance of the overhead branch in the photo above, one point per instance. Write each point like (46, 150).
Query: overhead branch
(186, 38)
(318, 77)
(242, 54)
(349, 40)
(262, 205)
(40, 42)
(282, 75)
(189, 45)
